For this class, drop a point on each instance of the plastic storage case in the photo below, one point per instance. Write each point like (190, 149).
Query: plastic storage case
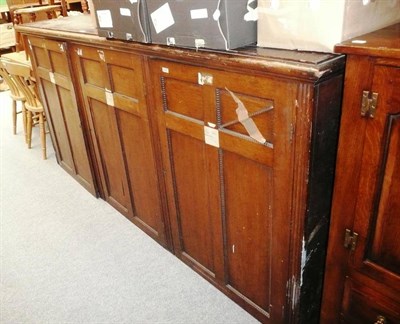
(216, 24)
(122, 19)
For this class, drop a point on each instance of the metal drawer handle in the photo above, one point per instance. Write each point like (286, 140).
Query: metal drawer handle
(380, 319)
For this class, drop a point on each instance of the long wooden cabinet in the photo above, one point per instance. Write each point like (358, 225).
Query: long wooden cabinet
(226, 159)
(363, 267)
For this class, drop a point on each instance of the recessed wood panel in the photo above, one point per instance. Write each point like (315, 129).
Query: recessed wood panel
(248, 212)
(260, 110)
(189, 165)
(77, 141)
(184, 98)
(135, 138)
(57, 119)
(386, 242)
(110, 154)
(41, 58)
(92, 72)
(59, 63)
(126, 81)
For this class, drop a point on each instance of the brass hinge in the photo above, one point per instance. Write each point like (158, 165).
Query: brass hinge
(369, 104)
(350, 240)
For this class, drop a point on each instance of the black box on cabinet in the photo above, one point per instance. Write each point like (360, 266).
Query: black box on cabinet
(122, 19)
(217, 24)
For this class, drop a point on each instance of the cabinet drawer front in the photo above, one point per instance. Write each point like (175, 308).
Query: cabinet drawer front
(225, 173)
(362, 304)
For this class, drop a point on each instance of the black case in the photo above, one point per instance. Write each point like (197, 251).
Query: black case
(122, 19)
(195, 26)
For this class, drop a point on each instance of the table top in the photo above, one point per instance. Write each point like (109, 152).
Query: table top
(19, 57)
(25, 9)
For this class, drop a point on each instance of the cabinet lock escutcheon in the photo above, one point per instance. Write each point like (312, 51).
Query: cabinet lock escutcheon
(350, 240)
(369, 104)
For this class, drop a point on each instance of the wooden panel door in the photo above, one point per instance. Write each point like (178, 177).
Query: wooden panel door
(52, 67)
(228, 180)
(113, 92)
(369, 287)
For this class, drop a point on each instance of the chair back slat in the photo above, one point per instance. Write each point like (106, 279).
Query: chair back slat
(15, 92)
(21, 75)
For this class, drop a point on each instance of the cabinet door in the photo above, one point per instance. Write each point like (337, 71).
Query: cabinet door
(51, 64)
(363, 283)
(113, 91)
(376, 259)
(229, 182)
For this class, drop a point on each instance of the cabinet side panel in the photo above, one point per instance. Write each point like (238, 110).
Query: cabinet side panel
(324, 141)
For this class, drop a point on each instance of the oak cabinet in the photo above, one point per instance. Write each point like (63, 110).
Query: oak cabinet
(223, 183)
(113, 95)
(235, 150)
(52, 69)
(363, 267)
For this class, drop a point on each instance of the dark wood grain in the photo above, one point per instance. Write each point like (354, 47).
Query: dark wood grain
(363, 284)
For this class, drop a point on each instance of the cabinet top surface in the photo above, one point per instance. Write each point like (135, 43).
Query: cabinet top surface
(309, 65)
(384, 42)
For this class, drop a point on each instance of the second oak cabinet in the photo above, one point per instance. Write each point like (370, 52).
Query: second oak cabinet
(112, 89)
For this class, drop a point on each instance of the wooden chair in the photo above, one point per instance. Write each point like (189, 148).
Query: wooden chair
(21, 75)
(16, 96)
